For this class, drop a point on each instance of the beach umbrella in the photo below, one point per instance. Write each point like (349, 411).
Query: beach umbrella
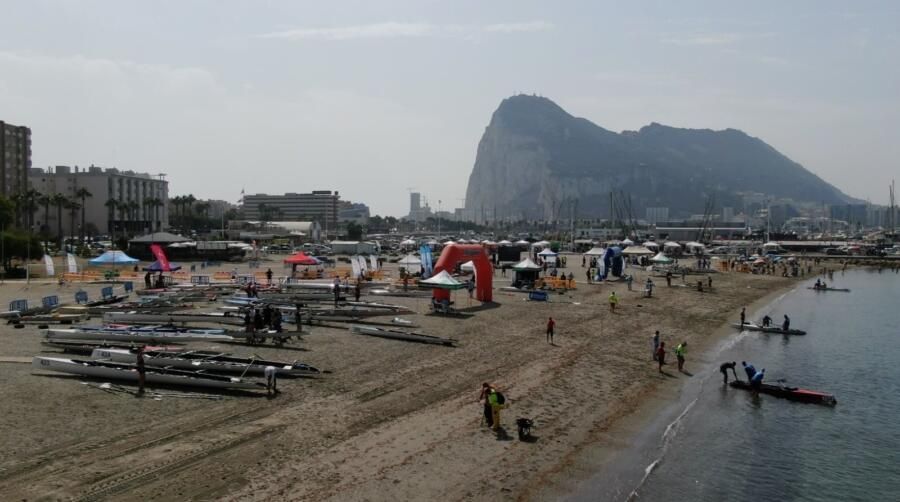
(628, 242)
(442, 280)
(522, 242)
(651, 245)
(504, 242)
(410, 261)
(114, 257)
(672, 245)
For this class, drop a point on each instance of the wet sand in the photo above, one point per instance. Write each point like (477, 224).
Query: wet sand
(393, 421)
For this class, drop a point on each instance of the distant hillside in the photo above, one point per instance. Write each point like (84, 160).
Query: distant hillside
(533, 156)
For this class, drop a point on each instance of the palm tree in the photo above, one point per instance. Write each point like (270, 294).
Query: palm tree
(154, 204)
(176, 203)
(111, 205)
(45, 200)
(73, 208)
(133, 207)
(189, 202)
(82, 193)
(59, 200)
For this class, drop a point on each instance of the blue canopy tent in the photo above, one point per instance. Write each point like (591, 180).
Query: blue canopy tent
(113, 258)
(157, 267)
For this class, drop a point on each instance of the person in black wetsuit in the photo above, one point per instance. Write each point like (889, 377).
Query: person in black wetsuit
(766, 321)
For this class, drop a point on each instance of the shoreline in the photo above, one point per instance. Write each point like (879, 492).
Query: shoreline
(394, 420)
(621, 466)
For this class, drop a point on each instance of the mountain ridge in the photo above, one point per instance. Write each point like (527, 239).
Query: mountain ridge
(535, 158)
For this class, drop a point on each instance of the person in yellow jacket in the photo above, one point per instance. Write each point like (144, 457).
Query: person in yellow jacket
(680, 351)
(497, 402)
(613, 300)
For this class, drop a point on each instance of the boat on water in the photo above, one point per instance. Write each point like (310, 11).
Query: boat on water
(396, 334)
(843, 290)
(206, 361)
(153, 375)
(790, 393)
(749, 326)
(172, 318)
(135, 336)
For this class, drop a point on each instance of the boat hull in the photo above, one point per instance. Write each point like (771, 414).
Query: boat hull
(205, 361)
(790, 393)
(400, 335)
(134, 336)
(771, 330)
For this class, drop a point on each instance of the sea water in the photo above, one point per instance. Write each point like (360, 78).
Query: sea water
(725, 444)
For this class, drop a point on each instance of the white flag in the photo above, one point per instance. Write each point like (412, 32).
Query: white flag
(374, 261)
(73, 265)
(48, 263)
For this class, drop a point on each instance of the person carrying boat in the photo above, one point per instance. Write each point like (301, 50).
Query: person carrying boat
(724, 367)
(766, 321)
(550, 324)
(613, 301)
(271, 380)
(141, 370)
(786, 325)
(756, 381)
(680, 351)
(748, 369)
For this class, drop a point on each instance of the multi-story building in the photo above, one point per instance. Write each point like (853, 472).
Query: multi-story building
(355, 212)
(15, 158)
(140, 199)
(319, 205)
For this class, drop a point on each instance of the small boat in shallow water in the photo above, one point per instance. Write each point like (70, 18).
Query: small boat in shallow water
(790, 393)
(153, 375)
(844, 290)
(749, 326)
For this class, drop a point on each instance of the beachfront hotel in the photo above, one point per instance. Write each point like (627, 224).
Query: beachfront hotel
(15, 158)
(319, 205)
(135, 210)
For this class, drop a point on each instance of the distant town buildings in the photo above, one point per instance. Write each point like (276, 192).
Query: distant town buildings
(353, 212)
(15, 158)
(418, 212)
(113, 200)
(319, 205)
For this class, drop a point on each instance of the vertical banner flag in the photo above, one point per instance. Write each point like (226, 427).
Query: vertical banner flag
(48, 263)
(73, 265)
(374, 261)
(362, 264)
(355, 265)
(425, 256)
(157, 251)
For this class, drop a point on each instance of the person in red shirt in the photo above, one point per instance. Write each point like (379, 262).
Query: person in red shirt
(661, 355)
(550, 324)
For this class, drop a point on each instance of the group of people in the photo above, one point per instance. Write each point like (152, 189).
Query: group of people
(256, 319)
(766, 320)
(659, 352)
(149, 283)
(753, 376)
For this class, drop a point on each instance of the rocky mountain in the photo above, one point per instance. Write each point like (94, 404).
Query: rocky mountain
(534, 160)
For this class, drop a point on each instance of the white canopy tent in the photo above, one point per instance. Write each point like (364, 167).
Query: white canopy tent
(442, 280)
(541, 244)
(596, 252)
(628, 242)
(671, 245)
(651, 245)
(522, 242)
(409, 261)
(661, 258)
(526, 264)
(547, 252)
(504, 242)
(636, 250)
(468, 266)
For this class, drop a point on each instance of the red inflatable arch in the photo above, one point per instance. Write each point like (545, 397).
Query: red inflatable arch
(454, 254)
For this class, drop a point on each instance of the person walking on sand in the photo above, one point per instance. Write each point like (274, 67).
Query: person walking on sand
(709, 281)
(724, 367)
(357, 290)
(269, 277)
(680, 351)
(488, 411)
(141, 370)
(271, 380)
(550, 324)
(661, 355)
(613, 300)
(497, 401)
(655, 343)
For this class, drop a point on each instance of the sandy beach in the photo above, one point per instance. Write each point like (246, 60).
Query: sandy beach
(392, 421)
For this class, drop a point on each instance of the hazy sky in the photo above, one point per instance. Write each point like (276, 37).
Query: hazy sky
(372, 98)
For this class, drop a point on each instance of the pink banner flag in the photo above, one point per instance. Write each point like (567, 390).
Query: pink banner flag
(157, 251)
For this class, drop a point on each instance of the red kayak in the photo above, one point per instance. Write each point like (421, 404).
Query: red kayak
(790, 393)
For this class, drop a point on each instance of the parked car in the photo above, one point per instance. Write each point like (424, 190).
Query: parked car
(836, 251)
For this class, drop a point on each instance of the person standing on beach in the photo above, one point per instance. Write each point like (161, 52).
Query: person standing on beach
(786, 325)
(497, 401)
(588, 274)
(661, 355)
(655, 343)
(357, 290)
(669, 278)
(141, 370)
(483, 398)
(724, 367)
(613, 300)
(648, 287)
(680, 351)
(628, 280)
(743, 315)
(550, 324)
(271, 380)
(269, 277)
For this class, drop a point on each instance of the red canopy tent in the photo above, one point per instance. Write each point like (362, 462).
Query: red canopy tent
(301, 258)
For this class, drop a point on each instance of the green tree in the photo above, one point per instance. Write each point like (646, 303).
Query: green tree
(73, 208)
(60, 201)
(354, 231)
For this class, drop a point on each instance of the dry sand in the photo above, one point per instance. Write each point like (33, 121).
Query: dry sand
(393, 421)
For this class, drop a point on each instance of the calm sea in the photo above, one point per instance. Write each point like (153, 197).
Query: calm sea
(723, 444)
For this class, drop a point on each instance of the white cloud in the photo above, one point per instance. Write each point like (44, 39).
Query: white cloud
(404, 30)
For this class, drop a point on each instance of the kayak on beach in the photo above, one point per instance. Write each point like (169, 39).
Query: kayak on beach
(749, 326)
(790, 393)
